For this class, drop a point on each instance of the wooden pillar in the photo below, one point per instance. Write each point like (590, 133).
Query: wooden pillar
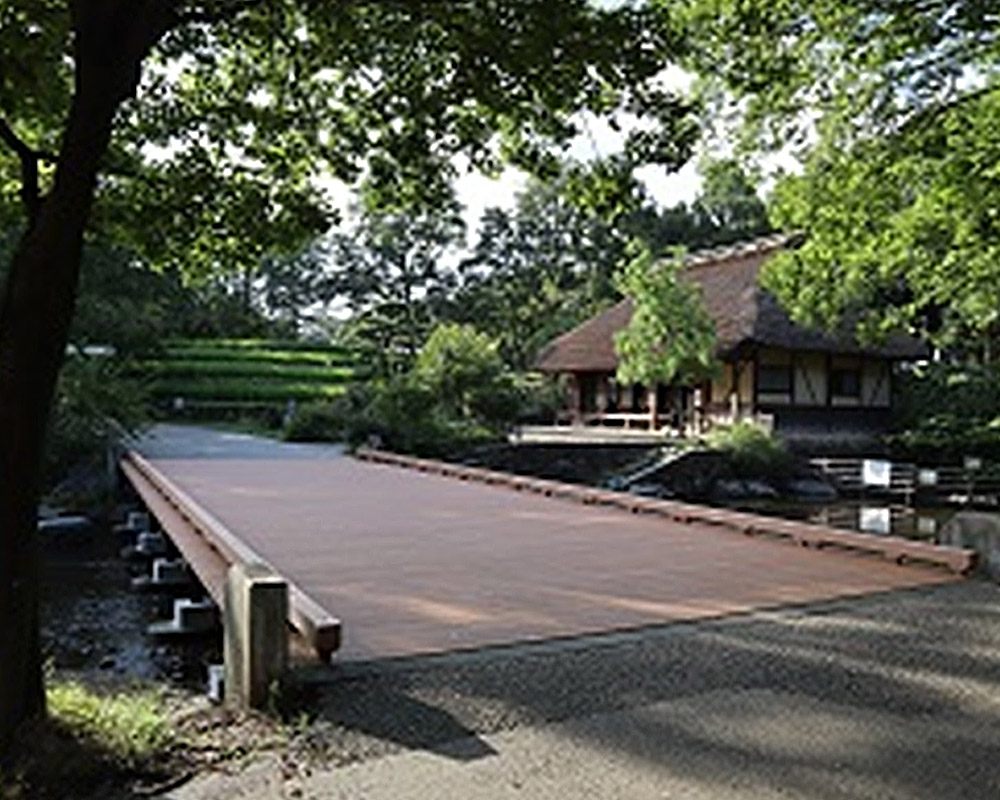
(576, 399)
(653, 410)
(602, 394)
(255, 630)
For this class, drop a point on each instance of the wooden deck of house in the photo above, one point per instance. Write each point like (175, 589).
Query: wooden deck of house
(415, 557)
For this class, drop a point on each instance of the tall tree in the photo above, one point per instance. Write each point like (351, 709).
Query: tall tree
(392, 270)
(549, 263)
(670, 337)
(239, 103)
(537, 270)
(892, 106)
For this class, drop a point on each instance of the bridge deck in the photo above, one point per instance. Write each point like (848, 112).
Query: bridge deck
(415, 563)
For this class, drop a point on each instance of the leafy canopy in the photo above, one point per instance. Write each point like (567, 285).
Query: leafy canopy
(892, 106)
(243, 106)
(670, 336)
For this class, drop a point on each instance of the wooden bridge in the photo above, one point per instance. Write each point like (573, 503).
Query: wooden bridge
(389, 557)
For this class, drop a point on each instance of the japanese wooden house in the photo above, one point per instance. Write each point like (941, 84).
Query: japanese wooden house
(789, 377)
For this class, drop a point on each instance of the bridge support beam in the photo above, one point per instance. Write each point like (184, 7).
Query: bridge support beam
(255, 629)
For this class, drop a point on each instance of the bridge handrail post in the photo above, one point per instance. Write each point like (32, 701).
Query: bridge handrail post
(255, 631)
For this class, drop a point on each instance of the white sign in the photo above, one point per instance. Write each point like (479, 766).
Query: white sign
(972, 463)
(875, 520)
(927, 477)
(875, 472)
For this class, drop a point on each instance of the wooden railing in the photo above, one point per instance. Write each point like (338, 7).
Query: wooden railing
(958, 560)
(210, 549)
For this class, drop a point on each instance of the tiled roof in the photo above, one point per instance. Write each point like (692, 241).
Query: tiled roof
(741, 310)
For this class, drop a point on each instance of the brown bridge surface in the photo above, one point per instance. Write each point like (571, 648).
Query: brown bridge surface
(416, 563)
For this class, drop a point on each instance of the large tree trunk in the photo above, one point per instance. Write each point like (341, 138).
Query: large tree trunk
(112, 37)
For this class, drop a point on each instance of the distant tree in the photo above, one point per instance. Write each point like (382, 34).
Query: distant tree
(537, 270)
(728, 206)
(726, 209)
(463, 369)
(547, 265)
(670, 336)
(392, 271)
(296, 290)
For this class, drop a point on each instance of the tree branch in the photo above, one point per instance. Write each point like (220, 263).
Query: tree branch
(223, 12)
(29, 158)
(922, 119)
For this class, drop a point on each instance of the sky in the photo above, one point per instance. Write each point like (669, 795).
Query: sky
(477, 191)
(597, 139)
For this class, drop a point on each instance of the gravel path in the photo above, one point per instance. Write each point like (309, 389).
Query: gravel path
(890, 696)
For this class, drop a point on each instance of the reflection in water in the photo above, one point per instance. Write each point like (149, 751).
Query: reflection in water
(870, 516)
(940, 524)
(91, 622)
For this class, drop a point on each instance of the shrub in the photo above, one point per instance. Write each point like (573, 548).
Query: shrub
(458, 394)
(751, 450)
(92, 398)
(948, 410)
(316, 422)
(464, 371)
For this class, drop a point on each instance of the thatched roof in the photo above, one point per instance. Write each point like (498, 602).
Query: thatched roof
(743, 312)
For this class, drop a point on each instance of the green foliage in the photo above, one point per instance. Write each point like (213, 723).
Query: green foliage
(248, 351)
(670, 336)
(244, 368)
(318, 422)
(391, 273)
(464, 371)
(213, 166)
(547, 265)
(948, 411)
(131, 725)
(458, 393)
(751, 451)
(536, 271)
(93, 398)
(902, 241)
(893, 108)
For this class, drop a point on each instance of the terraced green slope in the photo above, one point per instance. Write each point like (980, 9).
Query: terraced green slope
(235, 372)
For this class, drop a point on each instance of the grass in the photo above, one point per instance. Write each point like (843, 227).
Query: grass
(90, 743)
(233, 372)
(130, 726)
(246, 389)
(185, 368)
(255, 344)
(197, 350)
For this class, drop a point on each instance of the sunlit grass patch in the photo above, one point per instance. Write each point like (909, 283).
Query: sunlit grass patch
(90, 743)
(129, 726)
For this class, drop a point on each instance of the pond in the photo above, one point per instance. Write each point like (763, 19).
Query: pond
(961, 526)
(872, 515)
(92, 622)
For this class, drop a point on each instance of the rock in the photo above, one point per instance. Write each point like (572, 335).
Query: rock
(70, 530)
(646, 489)
(735, 489)
(980, 531)
(811, 489)
(761, 490)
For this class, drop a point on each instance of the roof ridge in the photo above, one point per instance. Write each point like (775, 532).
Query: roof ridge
(742, 249)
